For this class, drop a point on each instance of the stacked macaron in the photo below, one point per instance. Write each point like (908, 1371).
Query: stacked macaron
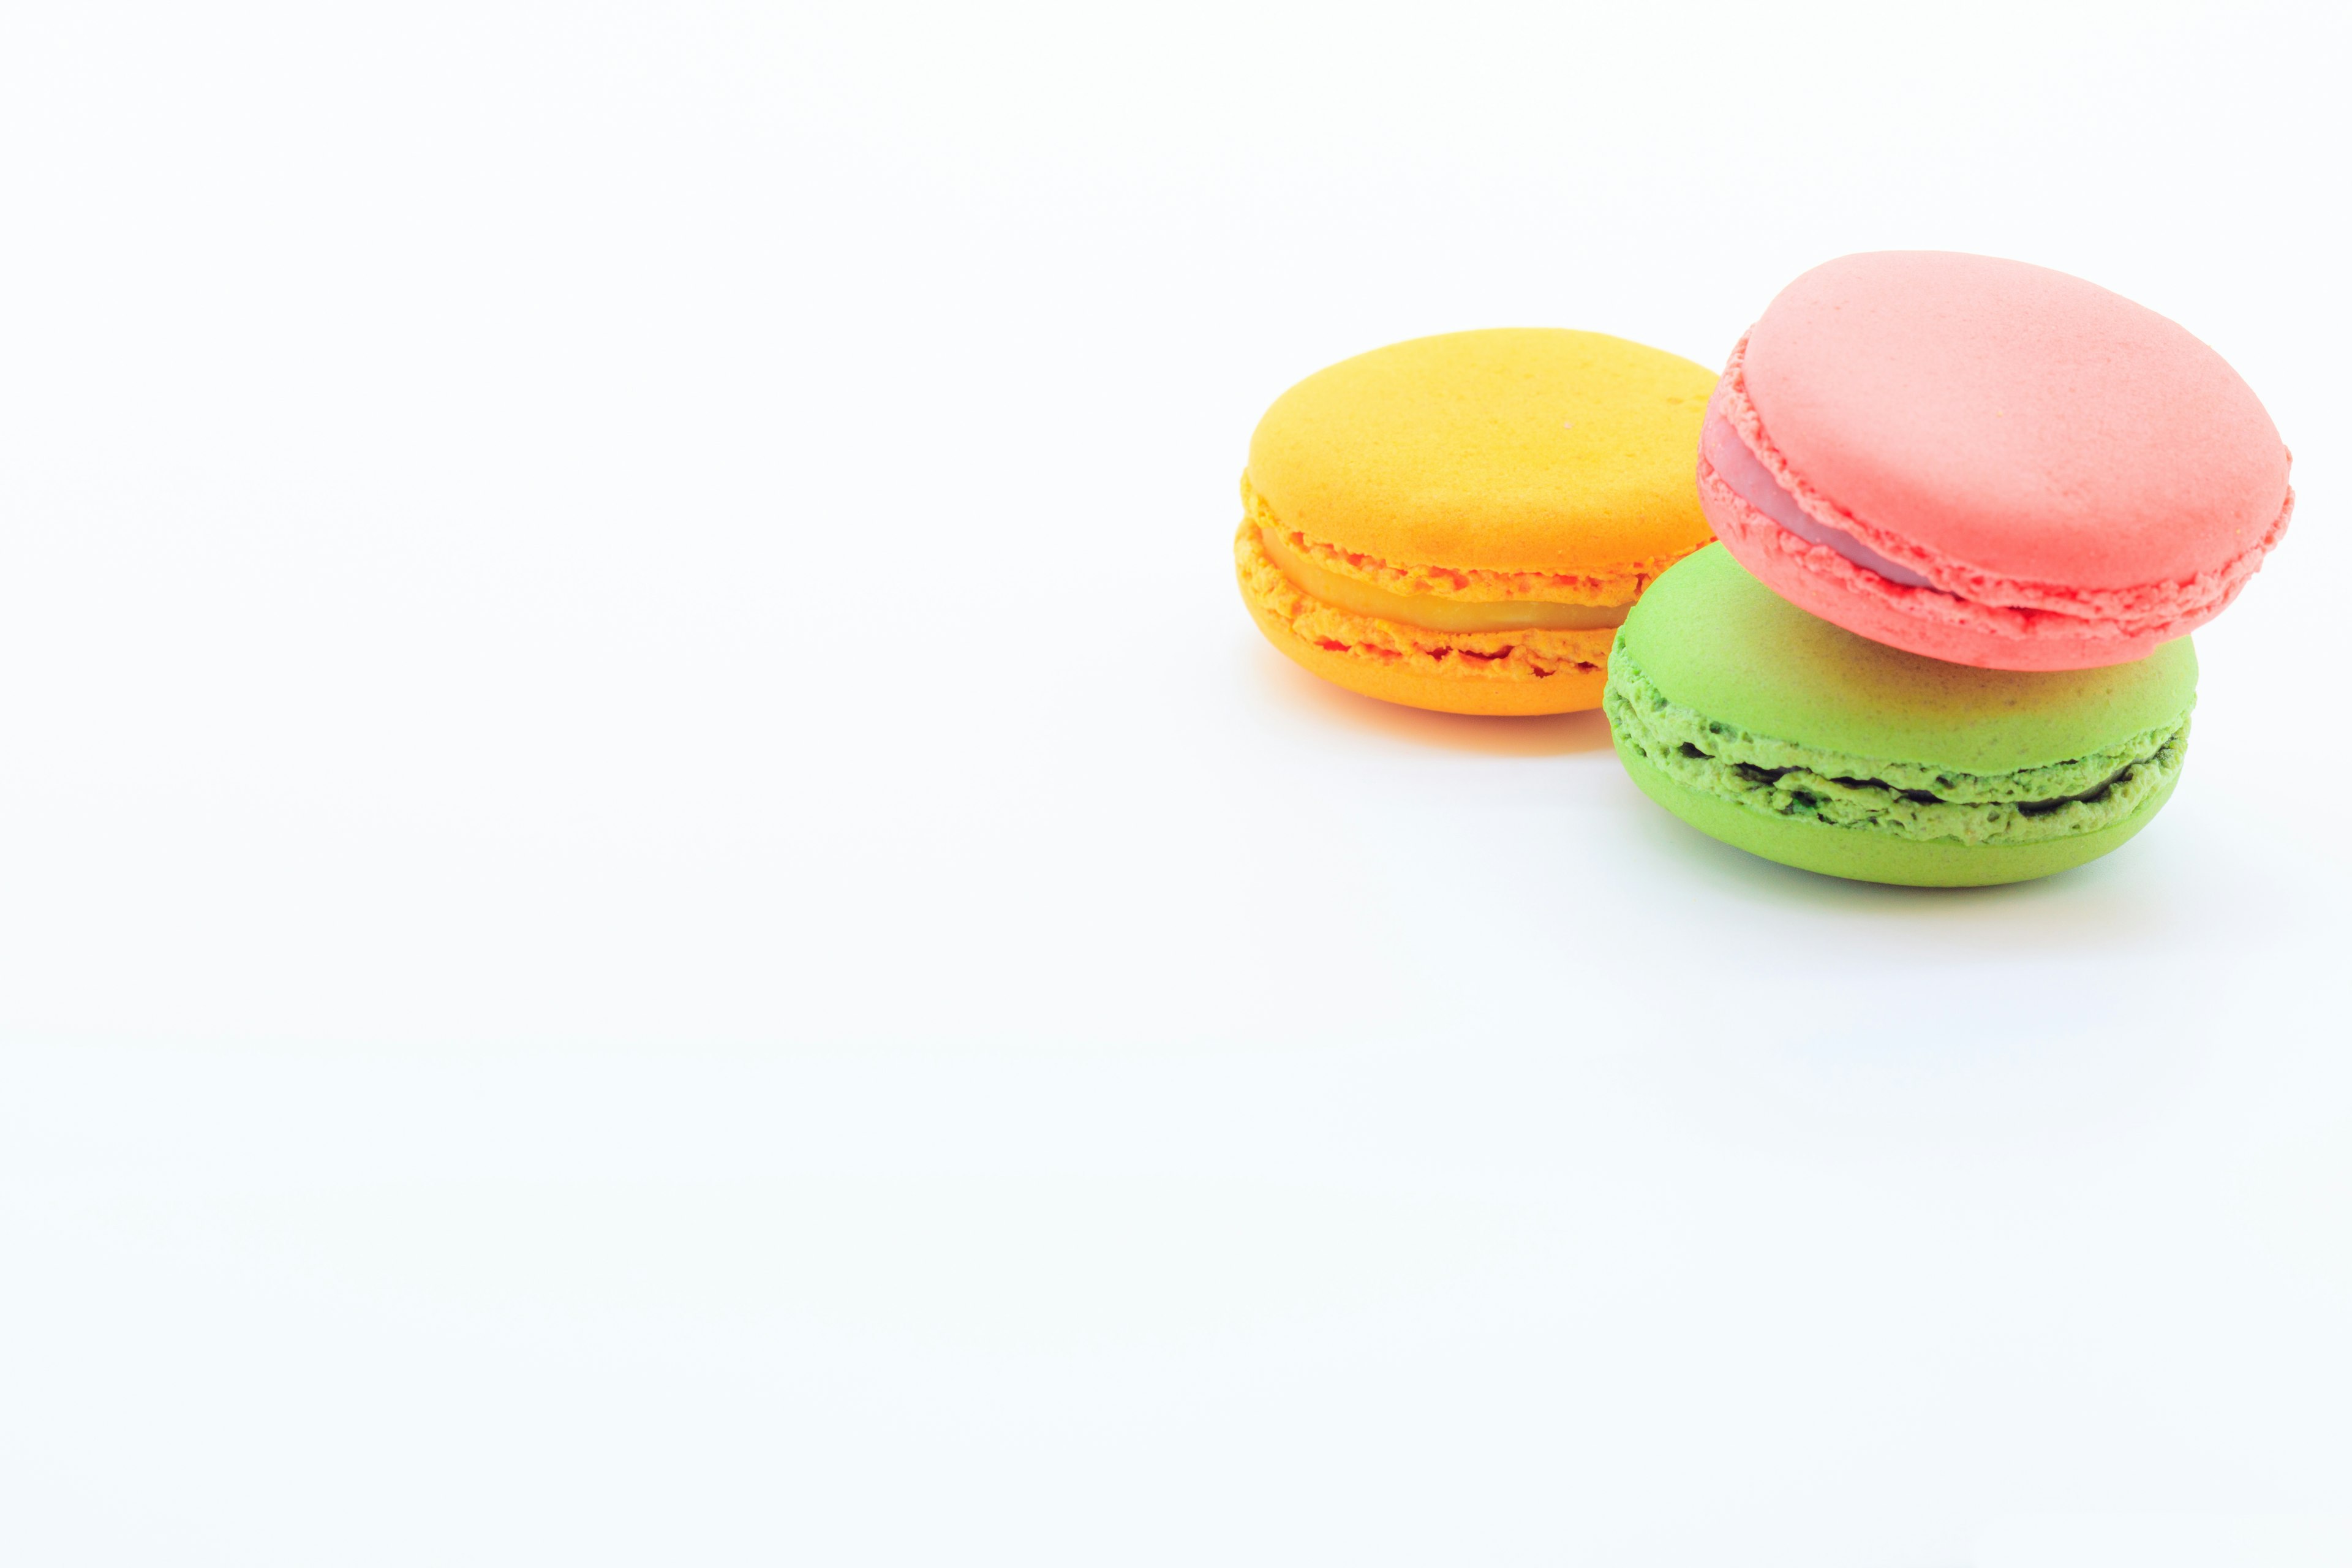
(1968, 512)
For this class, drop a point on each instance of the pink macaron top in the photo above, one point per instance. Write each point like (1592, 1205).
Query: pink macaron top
(2012, 436)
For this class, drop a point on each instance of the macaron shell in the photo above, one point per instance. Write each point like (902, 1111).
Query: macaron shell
(1513, 449)
(1715, 639)
(1874, 857)
(2015, 419)
(1569, 691)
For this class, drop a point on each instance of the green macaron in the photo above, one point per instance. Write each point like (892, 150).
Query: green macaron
(1795, 740)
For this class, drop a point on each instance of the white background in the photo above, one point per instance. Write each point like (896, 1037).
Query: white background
(657, 906)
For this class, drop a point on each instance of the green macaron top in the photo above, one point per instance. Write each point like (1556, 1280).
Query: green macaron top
(1712, 639)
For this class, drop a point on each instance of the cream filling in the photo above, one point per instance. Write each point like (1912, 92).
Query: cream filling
(1752, 482)
(1428, 611)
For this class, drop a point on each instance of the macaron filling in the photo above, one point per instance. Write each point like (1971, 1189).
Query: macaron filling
(1296, 618)
(1914, 801)
(1752, 482)
(1432, 612)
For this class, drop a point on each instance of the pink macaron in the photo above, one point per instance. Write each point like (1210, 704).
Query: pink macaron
(1989, 463)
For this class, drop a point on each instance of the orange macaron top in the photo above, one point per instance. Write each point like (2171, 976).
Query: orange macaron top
(1531, 449)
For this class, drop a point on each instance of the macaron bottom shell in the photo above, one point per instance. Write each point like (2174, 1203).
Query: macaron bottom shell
(1863, 856)
(1392, 680)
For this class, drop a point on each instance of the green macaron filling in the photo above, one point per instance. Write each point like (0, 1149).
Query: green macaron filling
(2037, 805)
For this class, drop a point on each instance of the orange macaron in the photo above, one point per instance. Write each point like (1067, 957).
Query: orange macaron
(1460, 522)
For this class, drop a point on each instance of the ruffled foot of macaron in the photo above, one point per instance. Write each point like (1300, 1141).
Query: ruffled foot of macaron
(1460, 522)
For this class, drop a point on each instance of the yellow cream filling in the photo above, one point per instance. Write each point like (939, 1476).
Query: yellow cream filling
(1427, 610)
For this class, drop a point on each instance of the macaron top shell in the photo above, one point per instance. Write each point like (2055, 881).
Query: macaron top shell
(1715, 639)
(1513, 449)
(2015, 420)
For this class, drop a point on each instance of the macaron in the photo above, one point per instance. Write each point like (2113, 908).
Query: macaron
(1989, 463)
(1793, 739)
(1460, 522)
